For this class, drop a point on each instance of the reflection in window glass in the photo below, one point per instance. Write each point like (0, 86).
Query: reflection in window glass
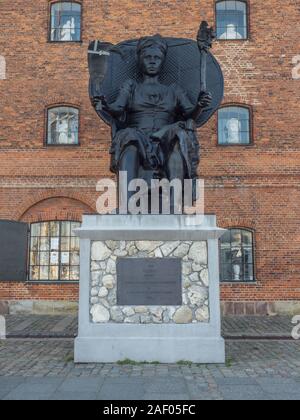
(237, 264)
(234, 125)
(65, 22)
(232, 20)
(63, 126)
(54, 252)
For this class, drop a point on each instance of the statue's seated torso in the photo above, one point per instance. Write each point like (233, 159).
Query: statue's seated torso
(152, 107)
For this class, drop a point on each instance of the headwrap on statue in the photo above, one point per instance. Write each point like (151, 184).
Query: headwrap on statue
(152, 41)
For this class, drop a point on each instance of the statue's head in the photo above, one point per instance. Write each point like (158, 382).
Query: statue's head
(152, 52)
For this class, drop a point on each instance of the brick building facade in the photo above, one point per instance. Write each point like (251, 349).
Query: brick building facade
(251, 186)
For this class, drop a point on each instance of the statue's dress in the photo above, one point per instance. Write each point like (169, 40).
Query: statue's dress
(149, 112)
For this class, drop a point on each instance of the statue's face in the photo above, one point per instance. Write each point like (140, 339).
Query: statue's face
(152, 60)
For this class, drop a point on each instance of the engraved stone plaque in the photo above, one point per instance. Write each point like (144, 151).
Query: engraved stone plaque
(149, 281)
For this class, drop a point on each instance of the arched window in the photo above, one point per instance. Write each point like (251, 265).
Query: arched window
(232, 20)
(63, 126)
(237, 259)
(65, 21)
(54, 251)
(234, 125)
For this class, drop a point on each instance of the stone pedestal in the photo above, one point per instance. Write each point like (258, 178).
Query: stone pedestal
(109, 332)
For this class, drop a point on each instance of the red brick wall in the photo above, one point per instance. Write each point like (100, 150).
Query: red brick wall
(255, 187)
(58, 208)
(21, 291)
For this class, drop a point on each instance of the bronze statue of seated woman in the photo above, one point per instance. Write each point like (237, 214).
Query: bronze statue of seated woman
(157, 120)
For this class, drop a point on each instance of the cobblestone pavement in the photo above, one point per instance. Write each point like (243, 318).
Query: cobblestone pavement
(44, 369)
(257, 326)
(24, 326)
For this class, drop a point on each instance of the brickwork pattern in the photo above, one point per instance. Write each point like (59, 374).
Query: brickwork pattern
(253, 186)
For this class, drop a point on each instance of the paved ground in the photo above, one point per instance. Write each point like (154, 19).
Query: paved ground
(24, 326)
(43, 369)
(256, 369)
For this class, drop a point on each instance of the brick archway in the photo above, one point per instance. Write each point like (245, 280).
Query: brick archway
(54, 207)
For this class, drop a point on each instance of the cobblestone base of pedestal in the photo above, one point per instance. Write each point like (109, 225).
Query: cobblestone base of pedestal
(104, 282)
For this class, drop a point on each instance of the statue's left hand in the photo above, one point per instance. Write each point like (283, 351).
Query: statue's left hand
(100, 103)
(205, 99)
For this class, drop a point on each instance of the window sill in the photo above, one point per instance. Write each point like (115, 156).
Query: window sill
(233, 40)
(50, 282)
(64, 42)
(236, 145)
(62, 145)
(239, 283)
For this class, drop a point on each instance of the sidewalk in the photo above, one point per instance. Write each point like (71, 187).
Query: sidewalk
(36, 363)
(38, 326)
(44, 369)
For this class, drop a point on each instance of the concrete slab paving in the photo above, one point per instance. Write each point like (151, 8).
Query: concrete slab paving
(87, 384)
(243, 392)
(121, 392)
(43, 369)
(166, 397)
(74, 396)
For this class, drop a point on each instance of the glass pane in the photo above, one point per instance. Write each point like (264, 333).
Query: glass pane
(65, 244)
(226, 237)
(34, 258)
(65, 229)
(76, 7)
(34, 273)
(44, 244)
(226, 256)
(64, 273)
(74, 244)
(249, 272)
(44, 273)
(74, 274)
(35, 229)
(236, 237)
(248, 264)
(65, 258)
(247, 237)
(66, 6)
(226, 272)
(45, 229)
(54, 228)
(34, 244)
(54, 244)
(237, 270)
(54, 273)
(44, 258)
(74, 225)
(221, 5)
(75, 258)
(54, 258)
(231, 4)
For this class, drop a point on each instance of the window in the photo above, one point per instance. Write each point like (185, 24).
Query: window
(54, 252)
(232, 20)
(63, 126)
(65, 22)
(237, 256)
(234, 125)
